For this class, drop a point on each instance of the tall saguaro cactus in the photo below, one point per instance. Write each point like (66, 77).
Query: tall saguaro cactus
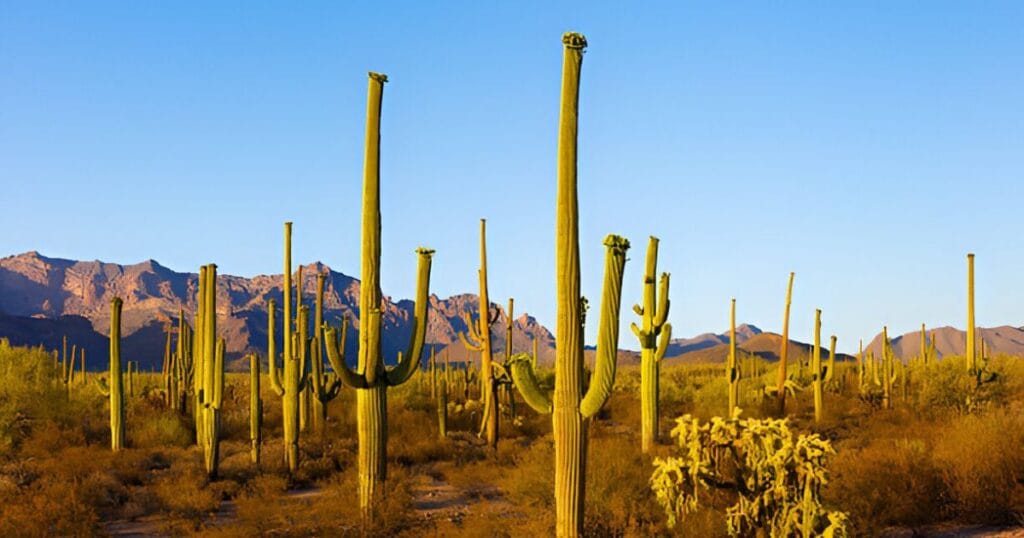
(372, 379)
(572, 408)
(784, 349)
(115, 387)
(255, 410)
(652, 314)
(971, 358)
(817, 374)
(732, 367)
(211, 396)
(479, 339)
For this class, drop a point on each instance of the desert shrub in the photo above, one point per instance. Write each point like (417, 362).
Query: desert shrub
(945, 386)
(982, 466)
(776, 476)
(619, 501)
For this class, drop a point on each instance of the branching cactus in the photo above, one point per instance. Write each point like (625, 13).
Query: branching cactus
(211, 396)
(324, 387)
(289, 383)
(114, 389)
(372, 379)
(479, 339)
(571, 408)
(255, 410)
(732, 368)
(652, 314)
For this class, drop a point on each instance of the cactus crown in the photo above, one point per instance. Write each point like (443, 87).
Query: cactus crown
(424, 251)
(617, 243)
(574, 40)
(378, 76)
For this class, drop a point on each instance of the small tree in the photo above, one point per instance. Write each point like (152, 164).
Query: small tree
(776, 476)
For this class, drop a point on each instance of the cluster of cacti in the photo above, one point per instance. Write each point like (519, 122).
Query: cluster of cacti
(209, 365)
(255, 410)
(652, 314)
(781, 474)
(372, 379)
(178, 366)
(477, 337)
(67, 366)
(114, 389)
(571, 408)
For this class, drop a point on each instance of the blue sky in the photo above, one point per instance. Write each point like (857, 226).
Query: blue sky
(868, 146)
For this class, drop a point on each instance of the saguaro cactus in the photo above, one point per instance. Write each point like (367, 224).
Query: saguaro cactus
(817, 374)
(571, 407)
(780, 388)
(479, 339)
(211, 396)
(439, 391)
(372, 379)
(889, 373)
(971, 358)
(831, 372)
(732, 369)
(290, 383)
(255, 410)
(652, 314)
(115, 387)
(324, 387)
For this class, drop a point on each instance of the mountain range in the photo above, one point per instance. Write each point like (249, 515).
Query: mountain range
(42, 299)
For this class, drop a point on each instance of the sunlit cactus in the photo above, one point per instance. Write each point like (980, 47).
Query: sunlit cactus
(783, 383)
(323, 387)
(211, 395)
(114, 388)
(817, 374)
(971, 358)
(478, 338)
(255, 410)
(653, 333)
(439, 392)
(571, 407)
(732, 369)
(371, 379)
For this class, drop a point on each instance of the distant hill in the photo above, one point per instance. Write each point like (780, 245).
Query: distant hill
(764, 345)
(43, 298)
(953, 341)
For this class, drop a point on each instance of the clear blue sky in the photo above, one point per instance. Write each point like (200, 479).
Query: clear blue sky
(866, 146)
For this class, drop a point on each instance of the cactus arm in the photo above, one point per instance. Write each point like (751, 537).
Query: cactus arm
(337, 358)
(469, 345)
(666, 335)
(526, 382)
(218, 385)
(639, 311)
(273, 373)
(608, 327)
(663, 302)
(409, 362)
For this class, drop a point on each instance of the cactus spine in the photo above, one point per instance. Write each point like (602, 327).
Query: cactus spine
(971, 358)
(571, 407)
(652, 314)
(255, 409)
(372, 379)
(479, 339)
(732, 369)
(115, 387)
(816, 372)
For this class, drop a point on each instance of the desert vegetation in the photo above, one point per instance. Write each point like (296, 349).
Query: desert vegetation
(410, 445)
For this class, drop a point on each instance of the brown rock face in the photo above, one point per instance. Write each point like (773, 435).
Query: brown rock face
(59, 291)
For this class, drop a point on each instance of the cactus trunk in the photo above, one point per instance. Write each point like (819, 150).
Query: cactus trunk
(652, 314)
(784, 348)
(732, 366)
(116, 386)
(255, 410)
(970, 352)
(816, 372)
(372, 379)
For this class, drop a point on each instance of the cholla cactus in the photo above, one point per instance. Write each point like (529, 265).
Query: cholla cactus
(775, 475)
(371, 380)
(571, 408)
(652, 314)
